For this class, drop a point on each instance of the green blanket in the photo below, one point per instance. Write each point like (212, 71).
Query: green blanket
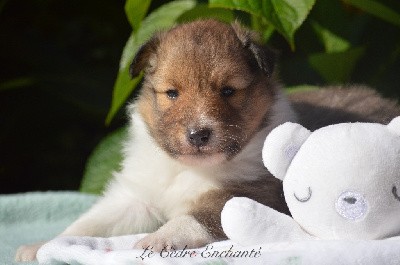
(30, 217)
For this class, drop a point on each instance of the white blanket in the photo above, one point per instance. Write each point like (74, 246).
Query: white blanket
(118, 250)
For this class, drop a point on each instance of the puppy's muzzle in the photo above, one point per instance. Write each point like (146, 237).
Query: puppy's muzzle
(199, 137)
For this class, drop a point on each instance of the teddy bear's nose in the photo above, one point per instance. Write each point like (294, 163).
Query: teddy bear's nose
(351, 205)
(350, 200)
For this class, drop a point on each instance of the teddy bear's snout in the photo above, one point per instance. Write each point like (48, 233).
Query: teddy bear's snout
(351, 205)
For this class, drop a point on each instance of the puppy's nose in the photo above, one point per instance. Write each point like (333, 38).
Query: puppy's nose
(199, 137)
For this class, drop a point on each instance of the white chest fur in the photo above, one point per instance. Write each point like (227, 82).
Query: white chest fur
(149, 175)
(168, 188)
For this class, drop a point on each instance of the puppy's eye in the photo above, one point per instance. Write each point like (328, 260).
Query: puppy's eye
(172, 93)
(227, 91)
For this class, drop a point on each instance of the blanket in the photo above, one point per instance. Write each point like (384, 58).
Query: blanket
(31, 217)
(118, 250)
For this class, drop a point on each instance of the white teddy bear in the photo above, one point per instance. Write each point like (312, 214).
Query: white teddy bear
(339, 182)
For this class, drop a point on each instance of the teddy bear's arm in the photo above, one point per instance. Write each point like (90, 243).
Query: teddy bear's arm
(248, 222)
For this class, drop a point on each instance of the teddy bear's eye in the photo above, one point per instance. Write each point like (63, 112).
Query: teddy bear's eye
(305, 199)
(395, 194)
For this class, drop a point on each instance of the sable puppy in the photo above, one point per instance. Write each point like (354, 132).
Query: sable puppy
(209, 99)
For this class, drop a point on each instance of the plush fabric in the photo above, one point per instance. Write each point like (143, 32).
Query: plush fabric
(340, 182)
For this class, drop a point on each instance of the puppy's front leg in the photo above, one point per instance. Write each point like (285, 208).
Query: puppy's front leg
(201, 226)
(110, 217)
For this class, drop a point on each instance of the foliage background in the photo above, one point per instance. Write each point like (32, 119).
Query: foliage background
(60, 60)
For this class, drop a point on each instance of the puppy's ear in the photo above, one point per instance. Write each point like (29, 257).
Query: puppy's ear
(281, 146)
(145, 56)
(264, 56)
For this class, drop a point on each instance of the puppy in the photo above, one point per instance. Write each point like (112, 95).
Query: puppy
(208, 100)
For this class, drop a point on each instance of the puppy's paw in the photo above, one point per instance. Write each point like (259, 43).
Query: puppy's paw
(178, 233)
(157, 242)
(27, 252)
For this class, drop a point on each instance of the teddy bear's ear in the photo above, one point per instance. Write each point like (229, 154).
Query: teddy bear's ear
(281, 145)
(394, 125)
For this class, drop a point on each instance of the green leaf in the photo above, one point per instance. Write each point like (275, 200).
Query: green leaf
(164, 17)
(259, 24)
(285, 15)
(204, 11)
(104, 160)
(135, 11)
(336, 67)
(123, 88)
(331, 41)
(377, 9)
